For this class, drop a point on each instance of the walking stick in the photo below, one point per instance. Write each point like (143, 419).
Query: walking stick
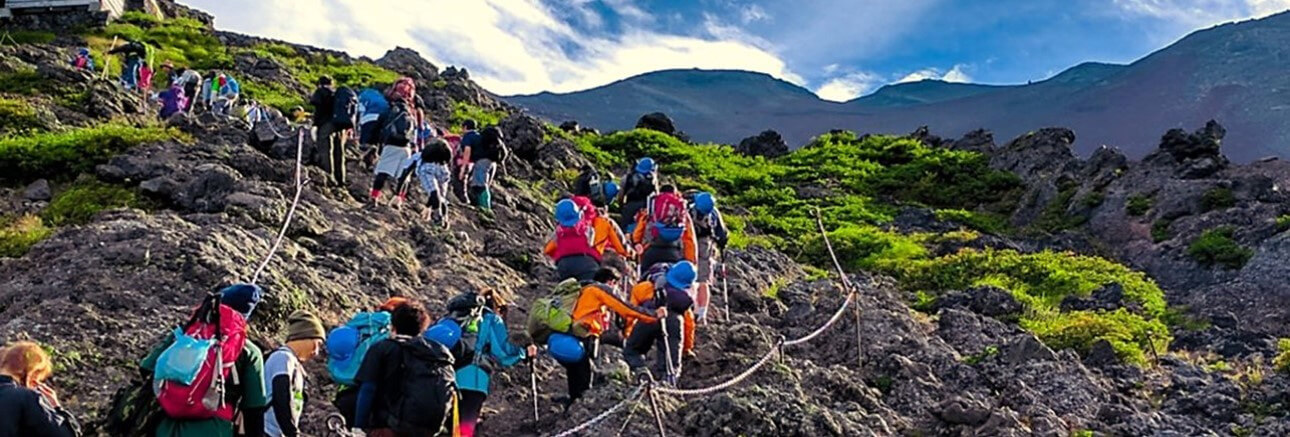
(725, 287)
(533, 385)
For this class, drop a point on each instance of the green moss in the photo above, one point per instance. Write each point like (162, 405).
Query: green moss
(1216, 246)
(1282, 361)
(1160, 230)
(24, 81)
(19, 233)
(985, 222)
(81, 201)
(1217, 199)
(27, 37)
(1138, 205)
(1130, 335)
(273, 94)
(184, 41)
(1178, 319)
(1283, 222)
(462, 111)
(64, 154)
(17, 116)
(1093, 200)
(1054, 217)
(987, 353)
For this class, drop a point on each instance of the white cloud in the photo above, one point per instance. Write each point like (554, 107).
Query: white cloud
(1202, 12)
(509, 46)
(956, 74)
(848, 86)
(753, 13)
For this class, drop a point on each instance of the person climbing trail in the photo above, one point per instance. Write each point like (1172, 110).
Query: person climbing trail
(328, 140)
(398, 131)
(83, 60)
(571, 320)
(190, 79)
(637, 188)
(591, 185)
(484, 335)
(406, 382)
(227, 90)
(426, 132)
(173, 101)
(663, 233)
(484, 157)
(712, 236)
(462, 168)
(28, 406)
(244, 393)
(133, 52)
(672, 332)
(573, 245)
(371, 104)
(607, 239)
(348, 344)
(285, 376)
(433, 172)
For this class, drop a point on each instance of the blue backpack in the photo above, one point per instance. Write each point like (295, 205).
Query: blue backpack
(347, 345)
(372, 104)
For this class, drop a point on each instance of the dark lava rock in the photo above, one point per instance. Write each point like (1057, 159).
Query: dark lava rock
(408, 62)
(980, 140)
(768, 143)
(657, 121)
(987, 301)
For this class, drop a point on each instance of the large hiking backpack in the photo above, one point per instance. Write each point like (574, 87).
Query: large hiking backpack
(404, 89)
(554, 313)
(491, 146)
(579, 239)
(590, 184)
(204, 397)
(424, 397)
(642, 186)
(346, 108)
(398, 128)
(666, 218)
(347, 345)
(134, 411)
(373, 104)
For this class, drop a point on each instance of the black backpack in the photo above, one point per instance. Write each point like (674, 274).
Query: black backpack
(437, 151)
(346, 108)
(642, 185)
(397, 128)
(490, 147)
(424, 400)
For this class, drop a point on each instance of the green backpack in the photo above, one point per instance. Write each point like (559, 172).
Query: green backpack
(554, 313)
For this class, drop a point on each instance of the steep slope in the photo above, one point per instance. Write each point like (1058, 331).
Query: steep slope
(1231, 73)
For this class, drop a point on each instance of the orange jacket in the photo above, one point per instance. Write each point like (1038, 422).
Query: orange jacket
(607, 236)
(593, 301)
(690, 244)
(642, 293)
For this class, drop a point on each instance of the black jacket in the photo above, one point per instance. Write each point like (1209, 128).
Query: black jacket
(22, 414)
(324, 103)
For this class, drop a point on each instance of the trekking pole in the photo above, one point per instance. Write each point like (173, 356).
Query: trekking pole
(653, 404)
(667, 350)
(725, 287)
(107, 59)
(533, 385)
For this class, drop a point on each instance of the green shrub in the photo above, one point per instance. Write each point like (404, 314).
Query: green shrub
(1216, 246)
(1138, 205)
(462, 111)
(1282, 361)
(1054, 217)
(19, 233)
(1131, 336)
(1217, 199)
(1093, 200)
(273, 94)
(184, 41)
(81, 201)
(1160, 230)
(64, 154)
(27, 37)
(985, 222)
(18, 116)
(863, 247)
(1283, 222)
(23, 81)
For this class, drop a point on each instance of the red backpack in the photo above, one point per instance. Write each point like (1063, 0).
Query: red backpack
(666, 217)
(403, 89)
(576, 240)
(205, 397)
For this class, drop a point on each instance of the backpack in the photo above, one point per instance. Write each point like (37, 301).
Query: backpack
(424, 399)
(667, 213)
(134, 411)
(348, 345)
(642, 186)
(346, 108)
(554, 313)
(703, 223)
(491, 146)
(590, 185)
(579, 239)
(403, 89)
(398, 128)
(204, 398)
(373, 104)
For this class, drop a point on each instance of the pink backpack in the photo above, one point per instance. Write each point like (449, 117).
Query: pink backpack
(574, 240)
(404, 89)
(667, 215)
(204, 398)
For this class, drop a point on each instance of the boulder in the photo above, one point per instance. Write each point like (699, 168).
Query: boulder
(408, 62)
(987, 300)
(924, 135)
(657, 121)
(980, 140)
(768, 143)
(38, 191)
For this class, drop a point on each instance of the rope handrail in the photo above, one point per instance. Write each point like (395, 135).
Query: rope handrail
(603, 415)
(291, 212)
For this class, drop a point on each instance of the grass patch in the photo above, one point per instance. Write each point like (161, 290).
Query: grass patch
(1283, 222)
(1138, 205)
(19, 233)
(18, 116)
(307, 68)
(81, 201)
(27, 37)
(992, 223)
(462, 111)
(1217, 199)
(65, 154)
(184, 41)
(24, 81)
(1160, 230)
(977, 358)
(1282, 361)
(1216, 246)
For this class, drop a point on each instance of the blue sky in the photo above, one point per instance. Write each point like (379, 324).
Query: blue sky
(839, 49)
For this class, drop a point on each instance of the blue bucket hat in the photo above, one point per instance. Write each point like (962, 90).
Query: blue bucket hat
(645, 165)
(566, 213)
(681, 275)
(704, 203)
(242, 297)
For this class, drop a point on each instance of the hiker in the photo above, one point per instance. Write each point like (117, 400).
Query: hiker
(168, 69)
(371, 104)
(483, 346)
(284, 374)
(134, 53)
(608, 239)
(469, 138)
(398, 131)
(484, 158)
(572, 247)
(406, 382)
(347, 345)
(145, 78)
(670, 294)
(190, 80)
(245, 395)
(425, 134)
(83, 60)
(432, 170)
(712, 236)
(328, 141)
(590, 185)
(663, 232)
(636, 191)
(571, 321)
(29, 407)
(173, 101)
(226, 94)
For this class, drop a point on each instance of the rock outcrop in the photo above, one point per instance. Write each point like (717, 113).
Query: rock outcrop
(768, 144)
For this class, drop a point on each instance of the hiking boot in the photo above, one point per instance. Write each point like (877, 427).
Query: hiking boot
(642, 376)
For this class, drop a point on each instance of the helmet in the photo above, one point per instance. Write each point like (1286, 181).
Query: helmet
(681, 275)
(611, 189)
(567, 213)
(704, 203)
(645, 165)
(565, 348)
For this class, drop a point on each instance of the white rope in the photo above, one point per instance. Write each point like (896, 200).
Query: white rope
(291, 213)
(604, 415)
(737, 379)
(836, 316)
